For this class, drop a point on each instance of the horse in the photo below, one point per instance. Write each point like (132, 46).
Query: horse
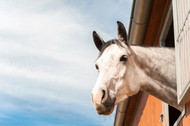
(125, 69)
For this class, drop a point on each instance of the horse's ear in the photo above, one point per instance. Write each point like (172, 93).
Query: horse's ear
(98, 41)
(122, 34)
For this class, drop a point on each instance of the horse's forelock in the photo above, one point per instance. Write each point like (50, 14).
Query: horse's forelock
(108, 43)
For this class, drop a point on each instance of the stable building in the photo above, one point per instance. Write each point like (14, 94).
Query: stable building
(160, 23)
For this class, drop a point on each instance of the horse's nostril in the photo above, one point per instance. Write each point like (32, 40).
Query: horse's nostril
(103, 96)
(103, 91)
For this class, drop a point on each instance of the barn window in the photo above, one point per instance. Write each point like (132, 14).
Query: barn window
(181, 16)
(167, 34)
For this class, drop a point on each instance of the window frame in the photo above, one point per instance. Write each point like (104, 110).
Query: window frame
(165, 107)
(183, 88)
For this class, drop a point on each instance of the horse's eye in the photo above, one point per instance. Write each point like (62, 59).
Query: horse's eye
(123, 58)
(96, 66)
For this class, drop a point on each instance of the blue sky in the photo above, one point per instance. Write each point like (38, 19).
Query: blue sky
(47, 59)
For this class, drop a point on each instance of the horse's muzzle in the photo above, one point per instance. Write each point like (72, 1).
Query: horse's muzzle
(103, 103)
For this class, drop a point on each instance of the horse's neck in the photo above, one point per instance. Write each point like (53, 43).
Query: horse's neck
(158, 66)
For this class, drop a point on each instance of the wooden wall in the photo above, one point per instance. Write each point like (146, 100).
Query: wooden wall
(148, 111)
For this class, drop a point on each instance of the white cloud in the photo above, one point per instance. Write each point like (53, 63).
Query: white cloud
(47, 50)
(9, 70)
(47, 54)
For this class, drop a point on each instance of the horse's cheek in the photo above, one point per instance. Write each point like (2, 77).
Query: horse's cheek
(122, 71)
(130, 83)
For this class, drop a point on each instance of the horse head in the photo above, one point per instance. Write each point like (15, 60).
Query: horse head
(116, 68)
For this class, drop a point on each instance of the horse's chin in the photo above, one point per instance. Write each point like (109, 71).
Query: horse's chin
(105, 111)
(109, 112)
